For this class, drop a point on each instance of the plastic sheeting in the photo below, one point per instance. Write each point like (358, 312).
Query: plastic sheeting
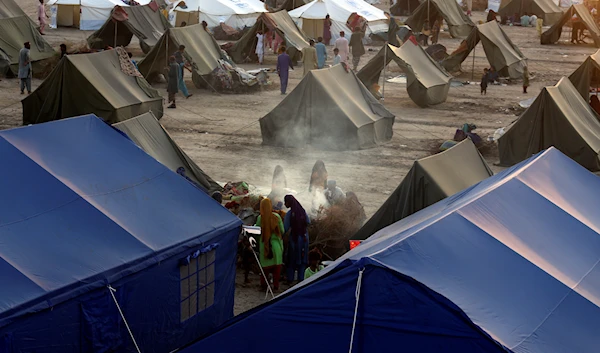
(552, 35)
(430, 180)
(329, 109)
(95, 83)
(236, 13)
(427, 82)
(558, 117)
(82, 207)
(500, 51)
(149, 135)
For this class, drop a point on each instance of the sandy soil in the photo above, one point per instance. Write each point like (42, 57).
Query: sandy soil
(221, 131)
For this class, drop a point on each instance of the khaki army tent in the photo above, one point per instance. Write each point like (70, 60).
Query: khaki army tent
(427, 82)
(282, 24)
(558, 117)
(460, 25)
(430, 180)
(104, 83)
(144, 22)
(14, 32)
(587, 75)
(150, 136)
(404, 7)
(552, 35)
(547, 10)
(500, 51)
(209, 67)
(9, 8)
(329, 109)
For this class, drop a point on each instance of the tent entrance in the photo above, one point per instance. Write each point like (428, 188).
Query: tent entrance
(313, 28)
(190, 18)
(68, 15)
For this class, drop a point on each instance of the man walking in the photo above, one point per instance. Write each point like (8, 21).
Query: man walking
(309, 57)
(180, 60)
(321, 53)
(358, 49)
(25, 68)
(342, 45)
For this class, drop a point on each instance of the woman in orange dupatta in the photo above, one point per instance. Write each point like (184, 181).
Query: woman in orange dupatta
(271, 242)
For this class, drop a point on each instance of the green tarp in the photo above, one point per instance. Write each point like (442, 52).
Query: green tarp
(91, 84)
(459, 24)
(149, 135)
(140, 21)
(500, 51)
(280, 22)
(586, 73)
(14, 32)
(9, 8)
(329, 109)
(558, 117)
(544, 9)
(552, 35)
(427, 82)
(430, 180)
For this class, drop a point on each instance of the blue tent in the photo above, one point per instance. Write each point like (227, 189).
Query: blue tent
(82, 208)
(518, 253)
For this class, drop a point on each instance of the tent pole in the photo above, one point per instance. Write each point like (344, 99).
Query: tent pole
(115, 35)
(473, 66)
(428, 1)
(384, 67)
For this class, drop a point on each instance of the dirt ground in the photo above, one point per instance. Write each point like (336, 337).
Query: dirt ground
(222, 134)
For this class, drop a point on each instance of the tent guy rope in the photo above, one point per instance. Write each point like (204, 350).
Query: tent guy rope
(112, 291)
(357, 295)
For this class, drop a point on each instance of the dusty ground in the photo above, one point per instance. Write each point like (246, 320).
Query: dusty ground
(221, 131)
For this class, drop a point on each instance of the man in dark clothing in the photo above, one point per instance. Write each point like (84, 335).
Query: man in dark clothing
(358, 49)
(172, 84)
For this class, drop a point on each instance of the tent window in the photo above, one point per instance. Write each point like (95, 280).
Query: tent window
(197, 285)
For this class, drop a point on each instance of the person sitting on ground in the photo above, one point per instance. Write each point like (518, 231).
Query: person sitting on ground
(532, 19)
(525, 20)
(595, 104)
(318, 176)
(314, 264)
(493, 75)
(333, 193)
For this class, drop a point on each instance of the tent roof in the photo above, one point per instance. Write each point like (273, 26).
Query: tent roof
(459, 24)
(101, 4)
(91, 83)
(149, 135)
(223, 7)
(552, 35)
(15, 31)
(444, 174)
(71, 217)
(9, 8)
(427, 82)
(500, 51)
(199, 46)
(582, 76)
(545, 9)
(558, 117)
(341, 115)
(338, 10)
(519, 253)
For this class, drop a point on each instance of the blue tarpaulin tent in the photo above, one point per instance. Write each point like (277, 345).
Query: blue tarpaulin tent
(82, 208)
(518, 253)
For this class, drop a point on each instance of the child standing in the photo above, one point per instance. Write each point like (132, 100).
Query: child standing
(314, 266)
(484, 81)
(336, 56)
(525, 79)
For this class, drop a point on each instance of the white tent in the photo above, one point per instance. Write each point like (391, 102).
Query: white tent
(88, 15)
(310, 17)
(236, 13)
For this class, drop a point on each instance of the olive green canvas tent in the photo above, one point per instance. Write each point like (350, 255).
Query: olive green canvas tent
(547, 10)
(206, 58)
(404, 7)
(558, 117)
(14, 32)
(500, 51)
(329, 109)
(427, 82)
(552, 35)
(282, 24)
(99, 83)
(431, 179)
(9, 8)
(149, 135)
(586, 75)
(144, 22)
(459, 24)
